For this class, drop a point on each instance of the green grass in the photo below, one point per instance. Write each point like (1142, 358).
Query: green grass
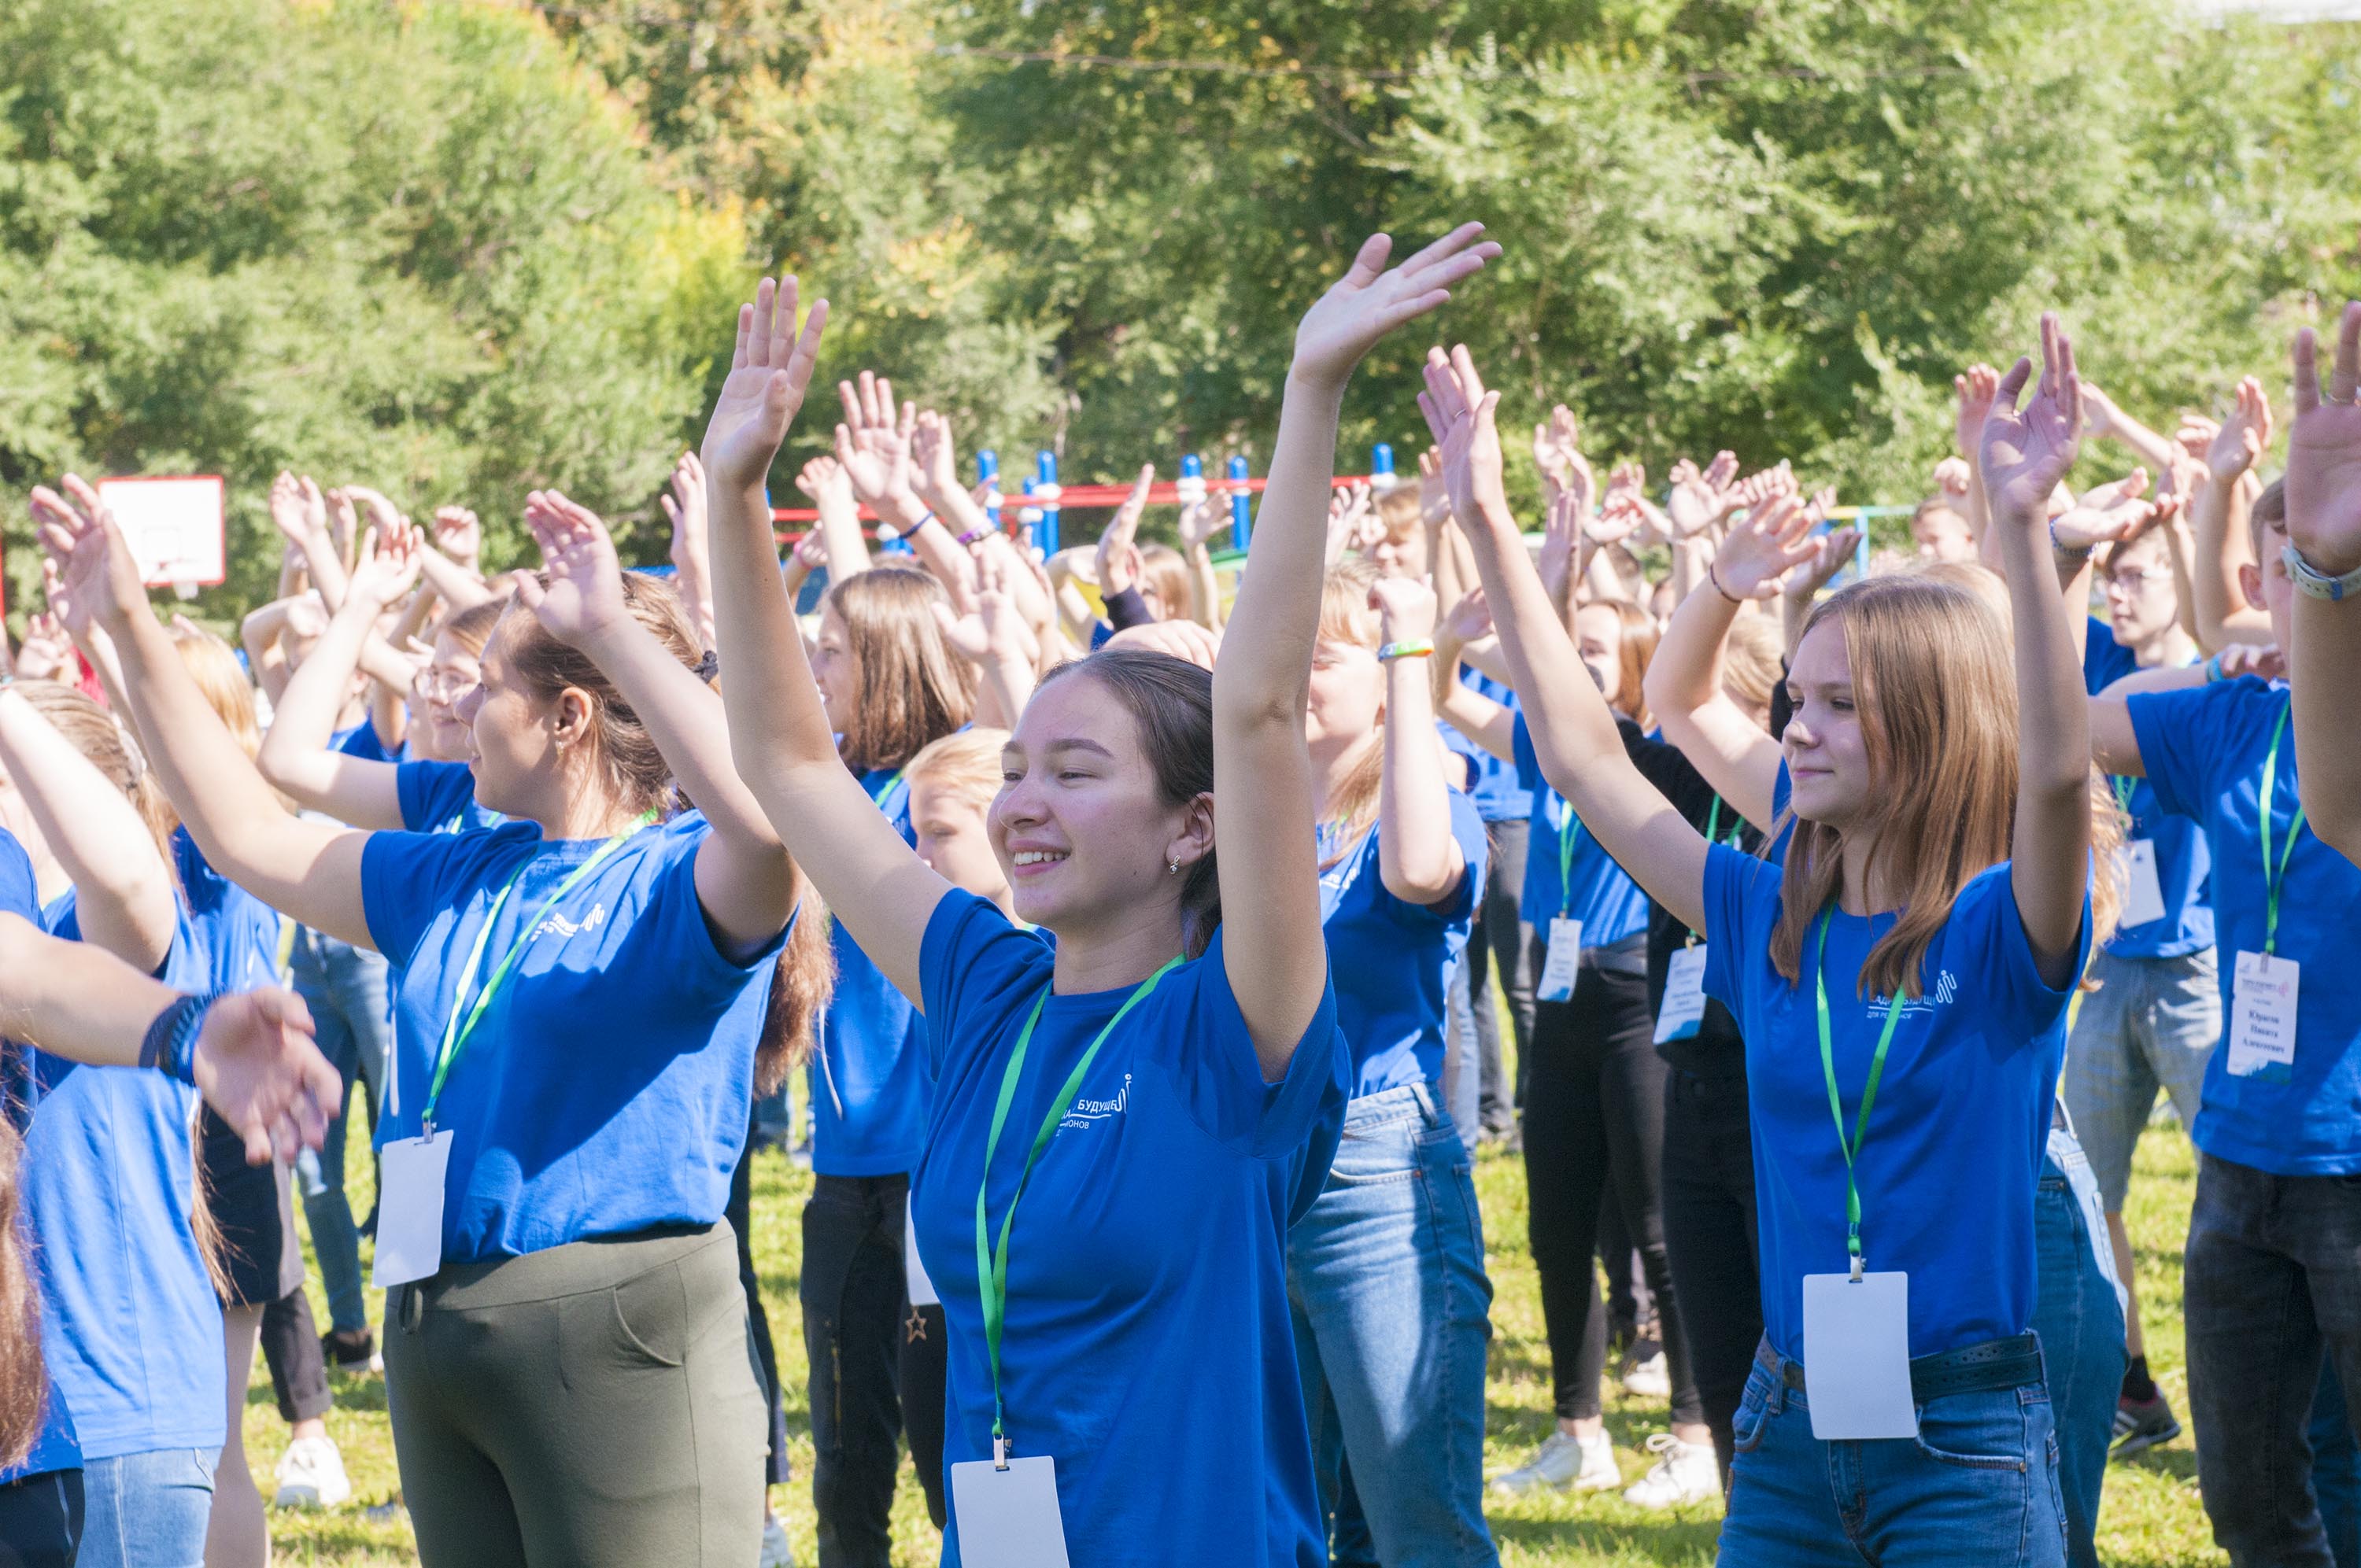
(2151, 1515)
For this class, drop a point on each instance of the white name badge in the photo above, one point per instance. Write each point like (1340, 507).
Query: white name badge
(1857, 1356)
(409, 1210)
(2143, 893)
(1565, 960)
(2262, 1014)
(913, 1273)
(1683, 1006)
(1008, 1518)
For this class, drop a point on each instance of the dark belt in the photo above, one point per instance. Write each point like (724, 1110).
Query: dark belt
(2012, 1362)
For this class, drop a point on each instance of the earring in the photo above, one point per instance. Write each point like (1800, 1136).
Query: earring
(1173, 866)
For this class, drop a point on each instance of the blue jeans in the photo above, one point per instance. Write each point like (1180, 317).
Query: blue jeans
(1978, 1487)
(1385, 1279)
(2080, 1321)
(344, 987)
(147, 1510)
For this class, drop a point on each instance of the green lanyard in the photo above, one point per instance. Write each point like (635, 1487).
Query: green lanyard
(990, 1268)
(1868, 1095)
(2273, 880)
(878, 799)
(1713, 833)
(1569, 834)
(457, 1034)
(2125, 788)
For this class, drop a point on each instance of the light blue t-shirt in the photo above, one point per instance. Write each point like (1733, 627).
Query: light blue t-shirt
(868, 1078)
(130, 1327)
(2203, 748)
(2184, 863)
(1949, 1169)
(608, 1086)
(54, 1447)
(1500, 794)
(1148, 1347)
(440, 797)
(1608, 904)
(1395, 958)
(237, 933)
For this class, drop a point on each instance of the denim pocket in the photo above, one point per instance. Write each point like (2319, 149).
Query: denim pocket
(1746, 1425)
(1984, 1431)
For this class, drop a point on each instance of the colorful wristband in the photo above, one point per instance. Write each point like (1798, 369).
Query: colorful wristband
(169, 1045)
(977, 535)
(2213, 669)
(1418, 650)
(2311, 580)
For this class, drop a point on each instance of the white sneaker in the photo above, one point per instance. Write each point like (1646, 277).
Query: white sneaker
(1565, 1462)
(776, 1552)
(311, 1475)
(1683, 1473)
(1649, 1379)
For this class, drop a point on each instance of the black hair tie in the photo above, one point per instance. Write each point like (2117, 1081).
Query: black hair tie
(708, 664)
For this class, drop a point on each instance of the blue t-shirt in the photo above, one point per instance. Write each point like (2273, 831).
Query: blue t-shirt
(1395, 958)
(1608, 904)
(2203, 748)
(2184, 863)
(1500, 796)
(54, 1447)
(868, 1078)
(1148, 1316)
(608, 1086)
(130, 1327)
(1949, 1169)
(361, 740)
(237, 933)
(440, 797)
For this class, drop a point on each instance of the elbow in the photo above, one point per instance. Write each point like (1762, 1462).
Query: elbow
(1423, 885)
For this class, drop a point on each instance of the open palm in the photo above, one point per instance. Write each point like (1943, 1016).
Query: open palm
(2024, 453)
(770, 370)
(259, 1067)
(1460, 414)
(2324, 471)
(584, 595)
(95, 563)
(1371, 300)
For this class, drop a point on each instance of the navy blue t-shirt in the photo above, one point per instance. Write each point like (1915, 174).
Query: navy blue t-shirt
(2203, 748)
(1147, 1346)
(440, 797)
(1947, 1171)
(1608, 904)
(1499, 793)
(2184, 861)
(868, 1078)
(608, 1085)
(1395, 958)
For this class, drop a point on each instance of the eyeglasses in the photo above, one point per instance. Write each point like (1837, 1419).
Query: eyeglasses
(2139, 577)
(443, 685)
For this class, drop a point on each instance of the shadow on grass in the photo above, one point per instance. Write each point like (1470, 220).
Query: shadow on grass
(1666, 1541)
(2176, 1461)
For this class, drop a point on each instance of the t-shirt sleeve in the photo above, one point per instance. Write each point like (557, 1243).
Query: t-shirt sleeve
(1742, 899)
(972, 951)
(407, 878)
(1987, 935)
(19, 895)
(432, 793)
(672, 923)
(1220, 1079)
(2180, 735)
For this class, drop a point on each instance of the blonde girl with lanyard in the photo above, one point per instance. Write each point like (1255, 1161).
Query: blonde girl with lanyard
(1955, 900)
(1165, 1082)
(568, 1369)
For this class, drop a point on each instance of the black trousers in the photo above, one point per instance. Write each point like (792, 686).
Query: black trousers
(1500, 939)
(740, 1215)
(1709, 1207)
(925, 1375)
(291, 1348)
(852, 1294)
(41, 1520)
(1594, 1106)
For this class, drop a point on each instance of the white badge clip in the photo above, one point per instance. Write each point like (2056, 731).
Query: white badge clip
(1008, 1511)
(1564, 959)
(410, 1209)
(1683, 1007)
(2262, 1015)
(1857, 1355)
(2143, 893)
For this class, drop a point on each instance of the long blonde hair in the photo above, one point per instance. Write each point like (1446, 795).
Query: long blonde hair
(1932, 684)
(1345, 617)
(910, 686)
(222, 681)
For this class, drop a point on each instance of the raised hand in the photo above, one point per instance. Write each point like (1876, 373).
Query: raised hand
(1976, 387)
(2024, 453)
(1830, 552)
(1200, 520)
(1115, 540)
(808, 554)
(47, 650)
(2246, 433)
(1460, 414)
(2101, 418)
(1952, 477)
(387, 564)
(2106, 514)
(94, 562)
(2196, 434)
(1557, 447)
(1563, 523)
(934, 459)
(770, 371)
(459, 534)
(1771, 541)
(1405, 608)
(873, 442)
(1697, 502)
(2324, 471)
(2260, 659)
(1470, 618)
(290, 513)
(258, 1066)
(1348, 509)
(1434, 495)
(824, 483)
(1371, 301)
(1182, 638)
(684, 507)
(584, 596)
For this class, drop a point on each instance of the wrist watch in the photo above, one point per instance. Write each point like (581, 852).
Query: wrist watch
(2309, 580)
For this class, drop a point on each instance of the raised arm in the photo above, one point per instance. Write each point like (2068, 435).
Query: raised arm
(1488, 723)
(295, 753)
(123, 889)
(2024, 457)
(2102, 419)
(1684, 684)
(692, 567)
(1418, 858)
(2323, 512)
(826, 485)
(779, 736)
(2220, 523)
(307, 870)
(1264, 802)
(1574, 731)
(875, 444)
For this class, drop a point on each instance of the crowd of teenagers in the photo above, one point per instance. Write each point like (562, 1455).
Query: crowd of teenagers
(1847, 923)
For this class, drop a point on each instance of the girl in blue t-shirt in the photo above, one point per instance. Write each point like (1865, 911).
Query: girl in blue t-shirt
(575, 1044)
(1393, 1376)
(1165, 1081)
(1912, 958)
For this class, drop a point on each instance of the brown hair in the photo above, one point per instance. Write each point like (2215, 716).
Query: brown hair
(967, 762)
(1931, 682)
(909, 687)
(1162, 568)
(2269, 510)
(473, 626)
(1397, 509)
(801, 985)
(93, 731)
(24, 1386)
(1345, 617)
(1635, 645)
(1937, 506)
(222, 681)
(1171, 701)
